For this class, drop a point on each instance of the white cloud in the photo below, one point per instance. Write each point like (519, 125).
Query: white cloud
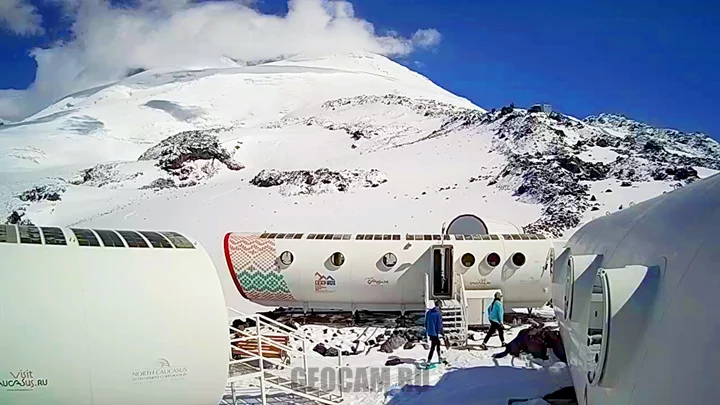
(427, 38)
(109, 41)
(20, 17)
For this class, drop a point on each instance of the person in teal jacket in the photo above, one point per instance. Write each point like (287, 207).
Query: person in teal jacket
(495, 315)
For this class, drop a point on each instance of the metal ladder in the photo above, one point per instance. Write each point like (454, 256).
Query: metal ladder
(454, 312)
(242, 369)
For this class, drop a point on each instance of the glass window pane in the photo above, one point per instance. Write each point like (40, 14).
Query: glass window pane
(85, 237)
(54, 236)
(110, 238)
(133, 239)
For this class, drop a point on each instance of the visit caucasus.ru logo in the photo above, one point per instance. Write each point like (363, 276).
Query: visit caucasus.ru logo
(22, 380)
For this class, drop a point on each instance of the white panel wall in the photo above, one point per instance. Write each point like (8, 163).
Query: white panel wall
(676, 235)
(106, 325)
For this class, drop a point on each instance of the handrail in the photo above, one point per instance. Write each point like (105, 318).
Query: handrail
(463, 308)
(293, 331)
(261, 322)
(273, 343)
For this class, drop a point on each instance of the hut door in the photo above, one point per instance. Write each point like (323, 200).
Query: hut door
(442, 260)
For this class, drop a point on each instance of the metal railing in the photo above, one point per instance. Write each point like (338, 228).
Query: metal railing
(459, 292)
(283, 329)
(263, 324)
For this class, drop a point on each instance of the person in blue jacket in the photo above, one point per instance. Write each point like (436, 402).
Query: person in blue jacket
(495, 315)
(434, 328)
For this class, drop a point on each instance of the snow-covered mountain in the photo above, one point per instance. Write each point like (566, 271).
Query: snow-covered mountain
(336, 144)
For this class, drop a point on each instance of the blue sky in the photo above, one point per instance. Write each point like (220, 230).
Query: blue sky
(654, 61)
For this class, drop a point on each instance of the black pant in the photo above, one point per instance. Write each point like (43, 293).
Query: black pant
(434, 342)
(494, 326)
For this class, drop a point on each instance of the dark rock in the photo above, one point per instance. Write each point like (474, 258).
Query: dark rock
(320, 348)
(393, 362)
(409, 345)
(652, 146)
(608, 190)
(594, 208)
(318, 181)
(625, 184)
(159, 184)
(16, 218)
(331, 352)
(173, 152)
(42, 193)
(393, 343)
(593, 198)
(103, 174)
(684, 173)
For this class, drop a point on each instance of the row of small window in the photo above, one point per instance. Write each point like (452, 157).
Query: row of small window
(87, 237)
(493, 259)
(348, 236)
(389, 259)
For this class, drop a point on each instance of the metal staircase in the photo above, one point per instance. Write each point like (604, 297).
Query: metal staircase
(454, 312)
(256, 367)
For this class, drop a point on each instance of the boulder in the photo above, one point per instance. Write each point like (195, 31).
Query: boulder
(393, 343)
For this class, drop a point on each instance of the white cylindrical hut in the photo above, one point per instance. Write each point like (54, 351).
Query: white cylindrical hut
(634, 294)
(107, 317)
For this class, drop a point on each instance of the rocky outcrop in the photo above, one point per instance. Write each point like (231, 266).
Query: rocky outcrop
(42, 193)
(17, 217)
(103, 175)
(191, 157)
(160, 184)
(544, 154)
(174, 152)
(553, 183)
(318, 181)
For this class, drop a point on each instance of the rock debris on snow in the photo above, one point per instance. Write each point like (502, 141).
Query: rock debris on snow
(102, 175)
(318, 181)
(42, 193)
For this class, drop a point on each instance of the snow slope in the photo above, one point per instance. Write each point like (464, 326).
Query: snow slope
(420, 156)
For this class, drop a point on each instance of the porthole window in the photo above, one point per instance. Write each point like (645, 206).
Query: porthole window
(286, 258)
(493, 259)
(389, 259)
(337, 259)
(468, 259)
(518, 259)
